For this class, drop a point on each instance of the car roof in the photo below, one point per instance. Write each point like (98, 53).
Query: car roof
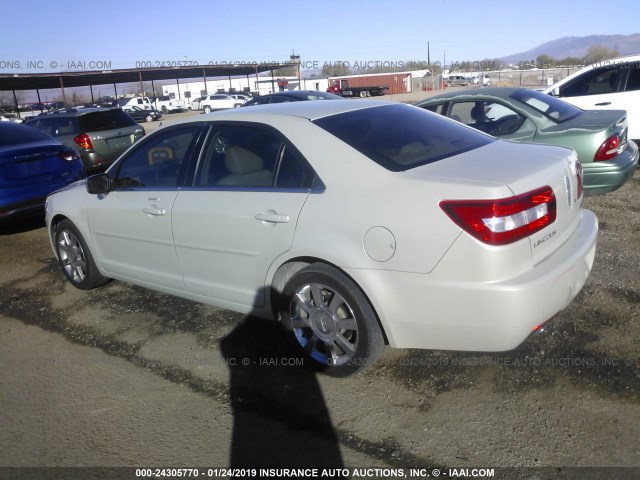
(78, 111)
(470, 92)
(308, 110)
(294, 93)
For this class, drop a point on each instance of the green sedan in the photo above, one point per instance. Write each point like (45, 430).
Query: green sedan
(599, 137)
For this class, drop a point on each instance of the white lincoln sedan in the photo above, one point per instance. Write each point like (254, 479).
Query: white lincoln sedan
(356, 224)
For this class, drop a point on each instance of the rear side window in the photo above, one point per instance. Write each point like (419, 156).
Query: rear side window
(401, 137)
(13, 134)
(105, 120)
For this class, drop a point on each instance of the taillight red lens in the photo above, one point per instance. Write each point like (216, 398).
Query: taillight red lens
(504, 221)
(608, 149)
(84, 141)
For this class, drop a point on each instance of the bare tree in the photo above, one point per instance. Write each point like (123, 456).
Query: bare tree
(598, 53)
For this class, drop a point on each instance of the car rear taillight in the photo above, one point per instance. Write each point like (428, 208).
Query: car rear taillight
(84, 141)
(608, 149)
(504, 221)
(69, 155)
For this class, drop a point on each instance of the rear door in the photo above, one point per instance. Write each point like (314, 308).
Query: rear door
(240, 213)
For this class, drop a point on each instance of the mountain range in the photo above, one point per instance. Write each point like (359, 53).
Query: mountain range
(577, 47)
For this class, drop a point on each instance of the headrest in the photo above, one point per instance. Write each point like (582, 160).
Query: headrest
(240, 161)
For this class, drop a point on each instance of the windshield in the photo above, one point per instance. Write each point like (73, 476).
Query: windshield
(401, 137)
(557, 110)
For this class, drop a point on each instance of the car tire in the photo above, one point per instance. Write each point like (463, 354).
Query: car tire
(148, 118)
(206, 109)
(75, 258)
(363, 94)
(331, 320)
(165, 110)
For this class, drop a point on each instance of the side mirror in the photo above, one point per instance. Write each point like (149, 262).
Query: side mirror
(101, 183)
(555, 92)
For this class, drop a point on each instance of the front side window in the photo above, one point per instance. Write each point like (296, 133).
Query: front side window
(160, 162)
(401, 137)
(595, 82)
(490, 117)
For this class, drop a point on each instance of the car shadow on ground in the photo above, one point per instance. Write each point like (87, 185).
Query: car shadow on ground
(280, 416)
(22, 225)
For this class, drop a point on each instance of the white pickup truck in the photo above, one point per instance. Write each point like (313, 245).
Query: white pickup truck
(166, 104)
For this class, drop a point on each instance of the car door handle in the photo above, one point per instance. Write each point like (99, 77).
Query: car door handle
(602, 104)
(272, 217)
(153, 210)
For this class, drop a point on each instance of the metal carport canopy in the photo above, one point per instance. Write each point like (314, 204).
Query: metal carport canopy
(41, 81)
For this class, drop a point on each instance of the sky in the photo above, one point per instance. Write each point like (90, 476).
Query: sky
(39, 36)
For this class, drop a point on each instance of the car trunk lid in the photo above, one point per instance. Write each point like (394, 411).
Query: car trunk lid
(503, 170)
(34, 164)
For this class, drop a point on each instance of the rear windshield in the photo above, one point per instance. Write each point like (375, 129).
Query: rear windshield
(15, 134)
(105, 120)
(557, 110)
(401, 137)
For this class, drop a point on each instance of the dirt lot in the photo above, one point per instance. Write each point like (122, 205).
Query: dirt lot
(121, 376)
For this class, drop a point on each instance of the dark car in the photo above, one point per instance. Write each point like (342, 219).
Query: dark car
(32, 165)
(599, 137)
(458, 80)
(142, 115)
(292, 96)
(99, 134)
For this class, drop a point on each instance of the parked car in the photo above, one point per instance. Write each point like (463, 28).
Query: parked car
(128, 103)
(457, 80)
(610, 84)
(141, 115)
(475, 243)
(599, 137)
(166, 104)
(32, 165)
(100, 134)
(9, 117)
(292, 96)
(195, 103)
(219, 101)
(240, 96)
(486, 81)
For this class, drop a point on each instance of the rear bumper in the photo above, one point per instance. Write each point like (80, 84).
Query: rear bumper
(419, 311)
(605, 177)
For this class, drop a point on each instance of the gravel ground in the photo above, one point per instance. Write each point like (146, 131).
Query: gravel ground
(121, 376)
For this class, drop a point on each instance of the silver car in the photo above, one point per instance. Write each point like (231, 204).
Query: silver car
(357, 224)
(101, 135)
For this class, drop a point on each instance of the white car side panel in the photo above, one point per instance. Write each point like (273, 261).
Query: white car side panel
(223, 249)
(129, 241)
(426, 311)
